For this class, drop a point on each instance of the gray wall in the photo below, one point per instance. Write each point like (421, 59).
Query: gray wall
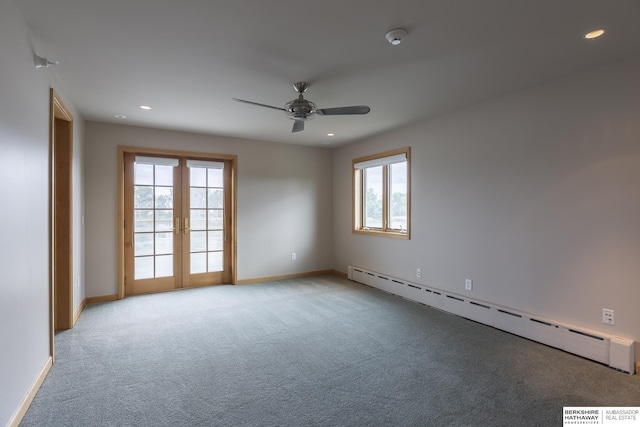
(534, 196)
(284, 201)
(24, 211)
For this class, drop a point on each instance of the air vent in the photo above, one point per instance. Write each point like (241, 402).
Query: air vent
(541, 322)
(477, 304)
(509, 313)
(586, 335)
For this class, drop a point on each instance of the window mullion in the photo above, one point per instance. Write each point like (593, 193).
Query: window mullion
(362, 196)
(385, 197)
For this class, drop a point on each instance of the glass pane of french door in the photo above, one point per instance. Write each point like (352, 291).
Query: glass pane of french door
(206, 195)
(153, 221)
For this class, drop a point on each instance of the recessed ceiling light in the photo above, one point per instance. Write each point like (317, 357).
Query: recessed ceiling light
(330, 134)
(594, 34)
(120, 116)
(145, 107)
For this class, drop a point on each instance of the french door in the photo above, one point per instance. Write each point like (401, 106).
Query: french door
(177, 222)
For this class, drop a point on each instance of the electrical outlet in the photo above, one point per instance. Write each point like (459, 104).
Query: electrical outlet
(607, 316)
(418, 272)
(293, 256)
(468, 284)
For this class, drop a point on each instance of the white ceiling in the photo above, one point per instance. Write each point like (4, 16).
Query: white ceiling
(188, 58)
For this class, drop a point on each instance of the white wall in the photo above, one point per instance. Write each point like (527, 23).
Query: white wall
(77, 170)
(534, 196)
(24, 210)
(284, 201)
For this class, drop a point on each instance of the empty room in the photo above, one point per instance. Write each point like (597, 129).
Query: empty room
(247, 213)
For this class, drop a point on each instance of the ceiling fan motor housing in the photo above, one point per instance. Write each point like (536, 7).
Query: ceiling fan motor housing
(300, 109)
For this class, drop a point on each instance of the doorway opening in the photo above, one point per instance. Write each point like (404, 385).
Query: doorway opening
(61, 149)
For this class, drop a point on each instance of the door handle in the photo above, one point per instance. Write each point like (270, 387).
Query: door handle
(176, 229)
(186, 225)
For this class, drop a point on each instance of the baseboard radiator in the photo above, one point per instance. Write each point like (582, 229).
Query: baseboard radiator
(614, 351)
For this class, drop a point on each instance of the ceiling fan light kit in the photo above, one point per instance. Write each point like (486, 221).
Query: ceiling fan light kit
(301, 110)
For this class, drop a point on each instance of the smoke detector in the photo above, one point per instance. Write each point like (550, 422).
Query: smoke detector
(395, 36)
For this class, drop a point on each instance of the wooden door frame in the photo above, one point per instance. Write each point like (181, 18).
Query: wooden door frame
(122, 150)
(61, 216)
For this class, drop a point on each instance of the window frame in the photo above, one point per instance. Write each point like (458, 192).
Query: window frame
(358, 195)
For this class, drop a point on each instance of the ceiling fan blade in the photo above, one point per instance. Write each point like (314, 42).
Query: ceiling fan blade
(298, 126)
(258, 104)
(358, 109)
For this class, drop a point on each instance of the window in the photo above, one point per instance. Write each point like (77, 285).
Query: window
(381, 194)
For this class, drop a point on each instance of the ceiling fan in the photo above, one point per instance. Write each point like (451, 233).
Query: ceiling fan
(301, 109)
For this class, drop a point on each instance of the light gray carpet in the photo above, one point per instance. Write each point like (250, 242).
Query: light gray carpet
(318, 351)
